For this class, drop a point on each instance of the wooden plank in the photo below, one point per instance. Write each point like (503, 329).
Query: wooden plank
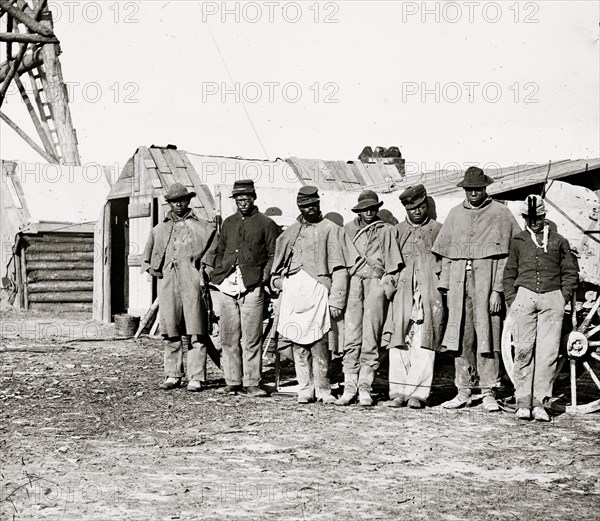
(63, 264)
(167, 180)
(18, 275)
(181, 176)
(139, 210)
(63, 296)
(51, 286)
(62, 306)
(106, 257)
(160, 161)
(149, 163)
(62, 256)
(297, 166)
(24, 279)
(362, 171)
(71, 274)
(175, 158)
(60, 247)
(139, 283)
(138, 172)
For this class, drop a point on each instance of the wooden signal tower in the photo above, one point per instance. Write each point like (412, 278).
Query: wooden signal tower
(31, 50)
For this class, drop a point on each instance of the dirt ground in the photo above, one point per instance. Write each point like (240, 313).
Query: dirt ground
(86, 434)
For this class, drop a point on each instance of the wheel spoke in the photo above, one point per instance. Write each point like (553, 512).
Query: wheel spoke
(592, 374)
(589, 317)
(596, 356)
(592, 332)
(573, 383)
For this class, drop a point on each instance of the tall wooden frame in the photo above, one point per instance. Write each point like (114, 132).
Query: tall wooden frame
(29, 25)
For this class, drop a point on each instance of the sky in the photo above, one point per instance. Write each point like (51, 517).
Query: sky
(449, 83)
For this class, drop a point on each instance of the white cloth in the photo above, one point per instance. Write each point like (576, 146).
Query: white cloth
(304, 312)
(233, 285)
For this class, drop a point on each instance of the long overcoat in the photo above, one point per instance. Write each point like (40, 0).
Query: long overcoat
(176, 251)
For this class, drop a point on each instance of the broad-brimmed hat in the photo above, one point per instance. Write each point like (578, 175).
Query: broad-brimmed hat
(367, 199)
(475, 178)
(537, 203)
(413, 196)
(177, 191)
(307, 195)
(243, 187)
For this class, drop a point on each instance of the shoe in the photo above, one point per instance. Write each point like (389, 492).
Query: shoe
(523, 413)
(490, 404)
(255, 391)
(328, 399)
(460, 400)
(305, 399)
(195, 386)
(415, 403)
(540, 414)
(350, 389)
(231, 390)
(399, 401)
(170, 383)
(364, 398)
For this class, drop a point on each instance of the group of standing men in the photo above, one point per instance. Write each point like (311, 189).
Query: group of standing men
(415, 288)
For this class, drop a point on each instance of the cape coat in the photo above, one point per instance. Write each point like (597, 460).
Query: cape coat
(423, 267)
(176, 251)
(481, 235)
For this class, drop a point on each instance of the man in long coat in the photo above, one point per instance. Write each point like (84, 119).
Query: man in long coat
(180, 253)
(418, 309)
(372, 285)
(474, 242)
(242, 268)
(311, 264)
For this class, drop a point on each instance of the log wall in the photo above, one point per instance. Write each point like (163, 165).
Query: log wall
(57, 271)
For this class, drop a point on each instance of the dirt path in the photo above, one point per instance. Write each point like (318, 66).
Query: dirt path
(86, 434)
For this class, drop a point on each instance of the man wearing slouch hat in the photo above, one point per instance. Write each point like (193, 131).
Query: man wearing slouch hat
(311, 264)
(242, 267)
(418, 310)
(180, 252)
(372, 286)
(474, 242)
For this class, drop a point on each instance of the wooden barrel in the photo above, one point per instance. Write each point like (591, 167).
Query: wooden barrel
(126, 325)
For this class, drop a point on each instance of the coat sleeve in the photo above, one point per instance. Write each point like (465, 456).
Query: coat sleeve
(220, 243)
(208, 259)
(272, 233)
(511, 271)
(569, 274)
(147, 256)
(499, 274)
(444, 283)
(339, 288)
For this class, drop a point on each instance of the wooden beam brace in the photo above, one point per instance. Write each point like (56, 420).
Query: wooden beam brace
(27, 38)
(46, 139)
(30, 61)
(11, 73)
(31, 23)
(27, 139)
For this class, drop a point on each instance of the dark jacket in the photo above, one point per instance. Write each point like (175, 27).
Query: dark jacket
(532, 268)
(249, 242)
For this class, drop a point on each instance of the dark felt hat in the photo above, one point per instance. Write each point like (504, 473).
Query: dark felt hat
(537, 206)
(367, 199)
(243, 187)
(413, 196)
(475, 178)
(307, 195)
(178, 191)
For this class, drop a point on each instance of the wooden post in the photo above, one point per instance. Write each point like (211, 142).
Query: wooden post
(24, 279)
(17, 265)
(106, 261)
(26, 138)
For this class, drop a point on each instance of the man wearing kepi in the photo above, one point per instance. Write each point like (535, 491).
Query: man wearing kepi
(474, 242)
(372, 285)
(242, 266)
(539, 278)
(180, 253)
(311, 269)
(418, 309)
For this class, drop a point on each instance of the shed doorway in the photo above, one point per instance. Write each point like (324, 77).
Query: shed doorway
(119, 268)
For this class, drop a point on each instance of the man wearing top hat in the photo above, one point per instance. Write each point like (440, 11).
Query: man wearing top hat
(474, 242)
(180, 253)
(311, 265)
(418, 310)
(540, 276)
(372, 286)
(242, 267)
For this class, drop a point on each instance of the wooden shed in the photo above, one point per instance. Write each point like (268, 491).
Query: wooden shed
(48, 217)
(136, 203)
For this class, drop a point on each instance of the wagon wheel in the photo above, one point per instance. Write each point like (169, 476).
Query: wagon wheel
(583, 353)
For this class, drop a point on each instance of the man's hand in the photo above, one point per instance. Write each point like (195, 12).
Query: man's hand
(495, 302)
(155, 273)
(335, 312)
(276, 282)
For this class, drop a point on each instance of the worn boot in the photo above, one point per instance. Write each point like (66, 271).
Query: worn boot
(350, 389)
(462, 399)
(365, 381)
